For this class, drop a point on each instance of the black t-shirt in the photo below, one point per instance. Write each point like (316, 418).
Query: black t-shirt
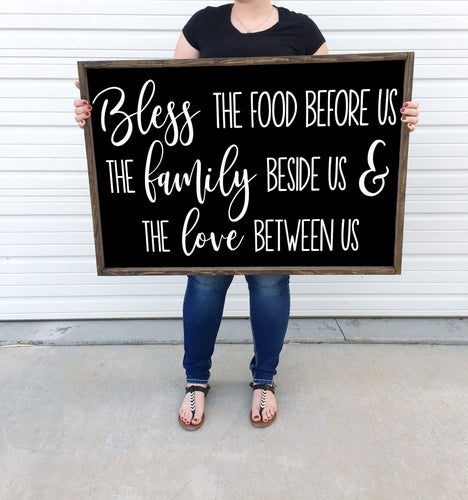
(211, 32)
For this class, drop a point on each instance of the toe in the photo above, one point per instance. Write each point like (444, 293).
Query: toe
(185, 416)
(197, 417)
(255, 415)
(269, 413)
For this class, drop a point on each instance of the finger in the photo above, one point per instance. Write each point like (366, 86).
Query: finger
(80, 118)
(83, 110)
(80, 102)
(77, 85)
(409, 111)
(82, 124)
(411, 104)
(410, 119)
(410, 122)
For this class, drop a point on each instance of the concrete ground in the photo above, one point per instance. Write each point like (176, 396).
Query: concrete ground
(368, 409)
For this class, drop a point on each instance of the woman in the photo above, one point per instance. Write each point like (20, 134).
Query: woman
(244, 28)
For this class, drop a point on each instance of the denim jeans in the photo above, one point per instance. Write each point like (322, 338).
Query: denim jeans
(203, 310)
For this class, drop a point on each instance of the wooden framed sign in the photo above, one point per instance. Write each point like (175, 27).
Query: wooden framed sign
(248, 165)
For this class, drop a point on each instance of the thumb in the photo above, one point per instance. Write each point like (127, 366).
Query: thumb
(77, 85)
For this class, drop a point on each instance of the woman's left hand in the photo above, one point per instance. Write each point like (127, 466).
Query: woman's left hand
(410, 114)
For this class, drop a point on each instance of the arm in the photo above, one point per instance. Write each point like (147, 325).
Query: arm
(184, 50)
(322, 50)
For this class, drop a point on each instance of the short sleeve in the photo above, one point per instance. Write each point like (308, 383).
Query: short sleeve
(192, 29)
(313, 37)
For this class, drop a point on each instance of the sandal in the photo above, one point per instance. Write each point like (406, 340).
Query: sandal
(265, 388)
(192, 389)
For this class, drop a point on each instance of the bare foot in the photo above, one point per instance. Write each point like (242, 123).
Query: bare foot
(185, 412)
(269, 405)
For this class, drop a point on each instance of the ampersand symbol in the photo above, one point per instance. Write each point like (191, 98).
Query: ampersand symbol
(375, 179)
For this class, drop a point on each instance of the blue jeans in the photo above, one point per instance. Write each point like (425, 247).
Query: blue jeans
(203, 310)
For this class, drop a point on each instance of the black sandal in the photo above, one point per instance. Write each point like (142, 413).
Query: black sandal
(192, 389)
(265, 388)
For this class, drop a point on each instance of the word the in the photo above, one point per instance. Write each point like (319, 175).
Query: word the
(118, 175)
(153, 235)
(226, 109)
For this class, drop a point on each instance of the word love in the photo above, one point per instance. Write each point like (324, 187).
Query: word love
(177, 124)
(192, 239)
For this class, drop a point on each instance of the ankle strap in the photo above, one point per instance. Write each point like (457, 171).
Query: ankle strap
(265, 387)
(199, 388)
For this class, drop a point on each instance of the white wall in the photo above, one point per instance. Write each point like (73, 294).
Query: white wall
(47, 265)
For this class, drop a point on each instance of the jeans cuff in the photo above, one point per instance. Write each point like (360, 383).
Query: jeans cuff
(196, 381)
(262, 381)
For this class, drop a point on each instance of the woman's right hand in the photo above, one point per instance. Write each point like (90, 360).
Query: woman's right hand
(82, 109)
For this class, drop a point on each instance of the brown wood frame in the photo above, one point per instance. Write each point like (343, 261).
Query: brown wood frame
(408, 57)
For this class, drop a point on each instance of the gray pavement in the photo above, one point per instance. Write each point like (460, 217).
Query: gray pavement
(169, 331)
(358, 418)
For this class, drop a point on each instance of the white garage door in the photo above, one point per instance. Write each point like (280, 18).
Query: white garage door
(47, 265)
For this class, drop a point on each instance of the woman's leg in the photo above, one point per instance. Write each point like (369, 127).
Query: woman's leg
(202, 313)
(269, 315)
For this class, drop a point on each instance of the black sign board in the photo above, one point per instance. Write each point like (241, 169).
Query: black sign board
(248, 165)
